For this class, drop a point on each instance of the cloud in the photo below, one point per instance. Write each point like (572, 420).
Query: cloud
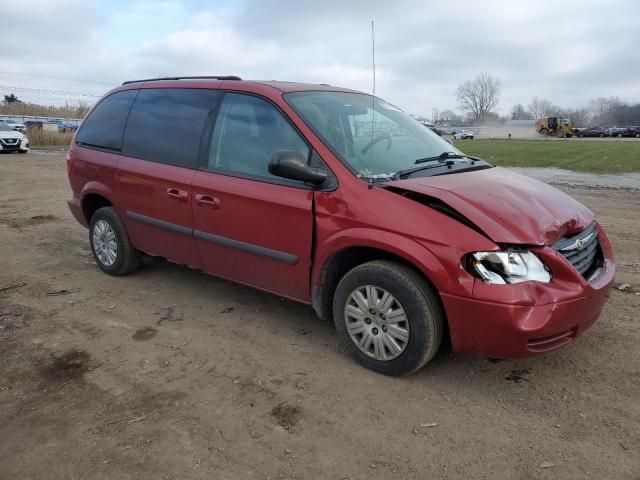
(569, 53)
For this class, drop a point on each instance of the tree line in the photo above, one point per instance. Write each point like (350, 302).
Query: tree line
(599, 111)
(479, 97)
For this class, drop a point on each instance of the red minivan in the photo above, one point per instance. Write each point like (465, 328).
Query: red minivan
(337, 199)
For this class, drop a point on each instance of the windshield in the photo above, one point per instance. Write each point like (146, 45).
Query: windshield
(372, 137)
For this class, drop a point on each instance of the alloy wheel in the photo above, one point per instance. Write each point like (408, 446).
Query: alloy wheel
(376, 322)
(105, 245)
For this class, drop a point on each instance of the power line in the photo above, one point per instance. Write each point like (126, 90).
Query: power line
(54, 78)
(51, 92)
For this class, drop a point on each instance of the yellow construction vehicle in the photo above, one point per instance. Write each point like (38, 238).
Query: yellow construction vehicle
(555, 126)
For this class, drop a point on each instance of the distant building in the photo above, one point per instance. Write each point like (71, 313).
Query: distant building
(423, 121)
(517, 124)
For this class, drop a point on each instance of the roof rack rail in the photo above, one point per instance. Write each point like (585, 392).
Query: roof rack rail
(212, 77)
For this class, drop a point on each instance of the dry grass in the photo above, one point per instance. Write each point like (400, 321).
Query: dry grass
(39, 138)
(78, 110)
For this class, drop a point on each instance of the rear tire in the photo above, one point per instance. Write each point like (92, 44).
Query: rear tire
(110, 244)
(413, 299)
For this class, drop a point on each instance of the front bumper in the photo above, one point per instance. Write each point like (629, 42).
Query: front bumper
(516, 321)
(14, 145)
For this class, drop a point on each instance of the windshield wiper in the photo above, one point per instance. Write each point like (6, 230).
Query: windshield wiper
(444, 159)
(439, 158)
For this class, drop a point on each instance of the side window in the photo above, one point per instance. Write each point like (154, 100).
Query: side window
(247, 133)
(166, 125)
(105, 125)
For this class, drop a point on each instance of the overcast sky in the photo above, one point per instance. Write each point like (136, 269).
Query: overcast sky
(569, 52)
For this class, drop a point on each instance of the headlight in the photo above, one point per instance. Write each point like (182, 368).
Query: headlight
(509, 267)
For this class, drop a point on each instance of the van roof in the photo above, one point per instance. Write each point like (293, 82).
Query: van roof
(215, 81)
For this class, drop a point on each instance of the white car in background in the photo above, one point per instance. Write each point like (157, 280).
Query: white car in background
(463, 134)
(12, 141)
(18, 127)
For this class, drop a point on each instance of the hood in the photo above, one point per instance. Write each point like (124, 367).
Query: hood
(508, 207)
(11, 134)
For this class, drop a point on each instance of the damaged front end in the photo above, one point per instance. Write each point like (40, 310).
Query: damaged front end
(508, 208)
(548, 277)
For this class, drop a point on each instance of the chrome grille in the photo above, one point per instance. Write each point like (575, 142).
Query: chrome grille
(582, 250)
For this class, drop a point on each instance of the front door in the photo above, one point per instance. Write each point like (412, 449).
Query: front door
(251, 226)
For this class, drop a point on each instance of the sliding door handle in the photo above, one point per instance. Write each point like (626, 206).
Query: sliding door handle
(208, 201)
(177, 194)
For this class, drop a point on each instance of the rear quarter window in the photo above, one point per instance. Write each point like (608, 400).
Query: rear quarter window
(166, 125)
(104, 126)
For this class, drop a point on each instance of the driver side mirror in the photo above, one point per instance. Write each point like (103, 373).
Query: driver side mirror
(291, 164)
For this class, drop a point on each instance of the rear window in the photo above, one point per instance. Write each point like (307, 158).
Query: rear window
(165, 125)
(105, 125)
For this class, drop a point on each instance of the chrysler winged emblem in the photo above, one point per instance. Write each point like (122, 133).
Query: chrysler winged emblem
(578, 244)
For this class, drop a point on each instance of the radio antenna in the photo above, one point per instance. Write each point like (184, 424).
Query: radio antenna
(373, 55)
(373, 93)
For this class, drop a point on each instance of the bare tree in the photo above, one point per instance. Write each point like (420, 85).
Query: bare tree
(579, 116)
(518, 112)
(479, 96)
(603, 110)
(450, 117)
(435, 114)
(541, 107)
(82, 108)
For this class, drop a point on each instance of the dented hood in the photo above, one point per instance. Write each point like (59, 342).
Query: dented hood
(508, 207)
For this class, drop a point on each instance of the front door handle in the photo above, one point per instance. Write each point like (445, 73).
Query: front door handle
(208, 201)
(177, 194)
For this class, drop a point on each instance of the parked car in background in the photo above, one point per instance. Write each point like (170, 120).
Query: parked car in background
(18, 127)
(593, 132)
(464, 134)
(632, 132)
(616, 131)
(401, 239)
(450, 129)
(12, 140)
(68, 127)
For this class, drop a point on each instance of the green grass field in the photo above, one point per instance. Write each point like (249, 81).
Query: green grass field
(579, 156)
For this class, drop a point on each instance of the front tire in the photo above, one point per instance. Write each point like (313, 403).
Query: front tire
(388, 317)
(110, 244)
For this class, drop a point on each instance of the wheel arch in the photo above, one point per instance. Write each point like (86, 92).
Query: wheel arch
(95, 196)
(346, 252)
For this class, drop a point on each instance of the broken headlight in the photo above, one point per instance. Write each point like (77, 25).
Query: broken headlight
(505, 267)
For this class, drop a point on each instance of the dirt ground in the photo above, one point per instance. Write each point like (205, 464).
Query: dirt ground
(173, 374)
